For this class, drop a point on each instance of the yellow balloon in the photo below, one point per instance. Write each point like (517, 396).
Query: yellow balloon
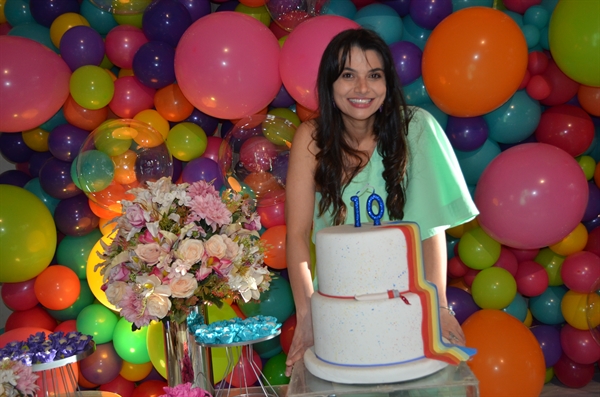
(155, 342)
(573, 308)
(36, 139)
(528, 319)
(64, 22)
(135, 372)
(458, 231)
(129, 19)
(573, 242)
(158, 122)
(94, 278)
(107, 226)
(259, 13)
(2, 16)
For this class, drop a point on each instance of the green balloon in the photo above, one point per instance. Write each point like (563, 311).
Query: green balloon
(573, 36)
(91, 87)
(274, 370)
(85, 298)
(494, 288)
(478, 250)
(98, 321)
(552, 262)
(27, 235)
(73, 251)
(187, 141)
(108, 143)
(268, 348)
(95, 170)
(131, 345)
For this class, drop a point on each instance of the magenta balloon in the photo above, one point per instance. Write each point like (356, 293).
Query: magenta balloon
(531, 196)
(257, 154)
(579, 345)
(227, 65)
(580, 270)
(213, 145)
(532, 279)
(34, 83)
(302, 52)
(19, 296)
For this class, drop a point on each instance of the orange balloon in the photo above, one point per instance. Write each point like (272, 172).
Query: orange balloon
(110, 198)
(589, 99)
(135, 372)
(262, 183)
(150, 388)
(83, 118)
(52, 381)
(102, 212)
(125, 167)
(57, 287)
(170, 102)
(474, 61)
(509, 359)
(305, 113)
(20, 334)
(274, 238)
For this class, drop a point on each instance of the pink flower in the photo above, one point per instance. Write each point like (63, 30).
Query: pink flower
(134, 309)
(149, 253)
(119, 273)
(135, 216)
(185, 390)
(146, 237)
(203, 272)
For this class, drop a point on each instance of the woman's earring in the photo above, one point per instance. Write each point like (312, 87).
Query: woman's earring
(334, 105)
(381, 109)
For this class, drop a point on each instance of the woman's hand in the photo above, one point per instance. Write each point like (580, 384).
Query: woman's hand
(302, 340)
(451, 329)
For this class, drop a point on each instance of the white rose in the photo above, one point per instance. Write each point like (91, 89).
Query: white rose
(232, 248)
(190, 251)
(115, 292)
(158, 305)
(215, 246)
(149, 253)
(183, 287)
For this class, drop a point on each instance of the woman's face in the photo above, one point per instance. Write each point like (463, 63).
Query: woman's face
(360, 90)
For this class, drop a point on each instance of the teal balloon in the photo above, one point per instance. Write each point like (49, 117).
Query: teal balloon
(414, 33)
(268, 348)
(532, 35)
(35, 32)
(517, 308)
(415, 93)
(74, 251)
(537, 16)
(74, 175)
(274, 370)
(98, 321)
(131, 345)
(546, 307)
(460, 4)
(101, 21)
(54, 121)
(382, 19)
(35, 187)
(17, 12)
(342, 8)
(545, 38)
(277, 301)
(515, 16)
(515, 120)
(474, 162)
(437, 113)
(86, 297)
(95, 170)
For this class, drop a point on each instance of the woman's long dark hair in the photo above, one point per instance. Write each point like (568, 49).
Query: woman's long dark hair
(390, 128)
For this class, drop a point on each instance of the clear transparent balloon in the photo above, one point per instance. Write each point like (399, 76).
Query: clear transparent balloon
(118, 156)
(593, 311)
(290, 13)
(122, 6)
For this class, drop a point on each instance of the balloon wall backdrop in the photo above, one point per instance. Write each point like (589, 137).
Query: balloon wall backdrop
(100, 96)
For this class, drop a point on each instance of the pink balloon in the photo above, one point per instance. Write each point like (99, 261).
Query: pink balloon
(271, 215)
(257, 154)
(579, 345)
(580, 270)
(532, 279)
(531, 195)
(507, 261)
(131, 97)
(227, 65)
(19, 296)
(301, 55)
(568, 127)
(524, 254)
(456, 267)
(212, 148)
(34, 83)
(121, 44)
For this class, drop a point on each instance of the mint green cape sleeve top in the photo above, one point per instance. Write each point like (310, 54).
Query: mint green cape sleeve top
(437, 197)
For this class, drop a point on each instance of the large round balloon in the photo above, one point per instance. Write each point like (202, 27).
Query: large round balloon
(509, 359)
(301, 55)
(34, 83)
(122, 7)
(235, 73)
(531, 195)
(474, 61)
(27, 235)
(576, 21)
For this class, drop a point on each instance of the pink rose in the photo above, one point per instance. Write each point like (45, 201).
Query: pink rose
(146, 237)
(135, 216)
(158, 305)
(119, 273)
(184, 286)
(190, 251)
(232, 248)
(215, 246)
(149, 253)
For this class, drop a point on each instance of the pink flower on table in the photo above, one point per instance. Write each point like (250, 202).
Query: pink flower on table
(119, 273)
(135, 216)
(211, 209)
(203, 272)
(134, 309)
(146, 237)
(215, 246)
(158, 305)
(184, 286)
(190, 251)
(149, 253)
(185, 390)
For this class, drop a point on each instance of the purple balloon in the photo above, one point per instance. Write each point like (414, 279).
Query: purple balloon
(197, 8)
(461, 302)
(202, 168)
(208, 123)
(45, 12)
(102, 366)
(37, 161)
(55, 179)
(65, 141)
(466, 133)
(152, 164)
(428, 13)
(154, 64)
(80, 46)
(549, 339)
(15, 178)
(593, 207)
(74, 217)
(166, 20)
(407, 58)
(402, 7)
(280, 167)
(177, 169)
(228, 6)
(13, 147)
(283, 99)
(592, 224)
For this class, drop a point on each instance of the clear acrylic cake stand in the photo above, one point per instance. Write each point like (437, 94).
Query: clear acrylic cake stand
(60, 372)
(232, 350)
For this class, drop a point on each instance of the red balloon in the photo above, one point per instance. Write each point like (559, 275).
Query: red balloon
(573, 374)
(507, 261)
(580, 270)
(537, 62)
(150, 388)
(287, 333)
(456, 267)
(532, 279)
(271, 215)
(243, 375)
(520, 6)
(563, 88)
(66, 326)
(19, 296)
(524, 254)
(593, 243)
(37, 317)
(57, 287)
(20, 334)
(538, 87)
(579, 345)
(120, 386)
(568, 127)
(470, 276)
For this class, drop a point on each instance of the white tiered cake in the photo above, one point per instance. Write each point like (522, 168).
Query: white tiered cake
(374, 317)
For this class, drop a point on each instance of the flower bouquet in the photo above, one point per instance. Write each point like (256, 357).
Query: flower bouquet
(185, 390)
(16, 379)
(180, 245)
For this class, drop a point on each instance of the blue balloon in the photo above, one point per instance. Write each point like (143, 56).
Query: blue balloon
(36, 162)
(17, 12)
(13, 147)
(35, 187)
(517, 308)
(102, 21)
(537, 16)
(515, 120)
(414, 33)
(440, 116)
(473, 163)
(166, 20)
(80, 46)
(55, 179)
(342, 8)
(74, 217)
(202, 168)
(208, 123)
(35, 32)
(415, 93)
(532, 35)
(461, 302)
(546, 307)
(382, 19)
(154, 64)
(15, 178)
(197, 8)
(65, 141)
(46, 11)
(429, 13)
(407, 58)
(54, 121)
(460, 4)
